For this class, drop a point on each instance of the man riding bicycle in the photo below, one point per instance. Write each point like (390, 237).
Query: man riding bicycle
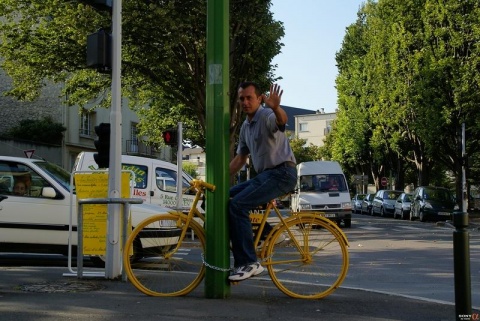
(262, 137)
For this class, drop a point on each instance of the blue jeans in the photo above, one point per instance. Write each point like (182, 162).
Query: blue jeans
(248, 195)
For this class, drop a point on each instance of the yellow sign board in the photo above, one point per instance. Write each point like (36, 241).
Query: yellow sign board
(95, 185)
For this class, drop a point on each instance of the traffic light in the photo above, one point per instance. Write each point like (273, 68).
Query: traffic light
(170, 137)
(99, 44)
(102, 144)
(99, 51)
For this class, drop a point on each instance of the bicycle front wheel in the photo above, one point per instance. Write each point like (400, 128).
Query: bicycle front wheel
(312, 261)
(158, 262)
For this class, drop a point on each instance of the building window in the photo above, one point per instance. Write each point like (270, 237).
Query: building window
(303, 127)
(134, 132)
(86, 120)
(133, 138)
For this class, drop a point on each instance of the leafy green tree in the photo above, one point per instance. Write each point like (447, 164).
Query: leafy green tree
(163, 56)
(349, 141)
(304, 152)
(408, 73)
(190, 168)
(43, 130)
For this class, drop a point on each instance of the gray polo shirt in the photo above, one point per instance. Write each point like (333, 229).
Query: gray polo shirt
(264, 140)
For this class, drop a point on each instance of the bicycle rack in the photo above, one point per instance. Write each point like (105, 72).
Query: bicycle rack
(126, 210)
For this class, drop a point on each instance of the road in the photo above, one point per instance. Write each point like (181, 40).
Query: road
(407, 258)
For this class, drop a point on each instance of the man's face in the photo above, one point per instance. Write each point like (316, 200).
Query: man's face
(249, 100)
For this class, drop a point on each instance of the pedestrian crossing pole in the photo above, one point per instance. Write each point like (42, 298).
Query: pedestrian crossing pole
(217, 134)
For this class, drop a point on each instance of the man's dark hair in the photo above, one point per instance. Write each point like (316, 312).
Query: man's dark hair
(246, 84)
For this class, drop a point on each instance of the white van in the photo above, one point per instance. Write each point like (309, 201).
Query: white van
(155, 180)
(321, 186)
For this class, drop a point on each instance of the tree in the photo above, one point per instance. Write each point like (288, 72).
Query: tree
(43, 130)
(190, 169)
(163, 55)
(304, 153)
(409, 70)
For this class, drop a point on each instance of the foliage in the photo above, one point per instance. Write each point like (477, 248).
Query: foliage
(408, 79)
(304, 153)
(163, 56)
(190, 169)
(43, 130)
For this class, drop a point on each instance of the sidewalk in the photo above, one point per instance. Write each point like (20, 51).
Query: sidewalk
(43, 293)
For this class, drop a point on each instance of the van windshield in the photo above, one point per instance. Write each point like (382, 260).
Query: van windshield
(323, 183)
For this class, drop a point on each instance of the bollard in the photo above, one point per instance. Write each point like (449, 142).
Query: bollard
(461, 266)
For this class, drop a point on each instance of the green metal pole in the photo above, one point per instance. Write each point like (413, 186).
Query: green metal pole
(217, 128)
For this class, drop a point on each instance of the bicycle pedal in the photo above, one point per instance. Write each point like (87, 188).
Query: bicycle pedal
(234, 282)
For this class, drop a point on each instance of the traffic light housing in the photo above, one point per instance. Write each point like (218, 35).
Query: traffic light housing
(99, 51)
(102, 144)
(170, 137)
(99, 44)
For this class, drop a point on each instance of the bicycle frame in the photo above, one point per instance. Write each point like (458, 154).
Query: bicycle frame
(200, 186)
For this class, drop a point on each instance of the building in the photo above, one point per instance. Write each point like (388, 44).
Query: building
(314, 127)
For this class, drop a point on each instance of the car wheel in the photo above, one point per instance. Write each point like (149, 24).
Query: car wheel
(347, 223)
(405, 216)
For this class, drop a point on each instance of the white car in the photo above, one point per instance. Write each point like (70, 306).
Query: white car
(35, 215)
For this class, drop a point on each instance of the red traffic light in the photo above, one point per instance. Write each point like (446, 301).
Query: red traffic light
(170, 137)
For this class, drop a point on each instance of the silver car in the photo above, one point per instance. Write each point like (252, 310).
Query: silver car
(357, 203)
(384, 202)
(402, 206)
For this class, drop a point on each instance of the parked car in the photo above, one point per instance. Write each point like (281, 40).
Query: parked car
(38, 221)
(432, 203)
(384, 202)
(357, 203)
(367, 204)
(402, 206)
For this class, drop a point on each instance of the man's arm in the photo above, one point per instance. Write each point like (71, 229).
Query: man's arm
(237, 162)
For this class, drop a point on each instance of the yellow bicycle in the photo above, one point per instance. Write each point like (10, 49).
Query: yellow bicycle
(162, 258)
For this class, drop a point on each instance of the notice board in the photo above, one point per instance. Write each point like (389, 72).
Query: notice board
(95, 185)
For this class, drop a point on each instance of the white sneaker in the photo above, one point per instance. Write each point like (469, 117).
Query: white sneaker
(246, 271)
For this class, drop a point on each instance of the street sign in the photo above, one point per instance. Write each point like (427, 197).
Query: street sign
(384, 181)
(360, 179)
(29, 152)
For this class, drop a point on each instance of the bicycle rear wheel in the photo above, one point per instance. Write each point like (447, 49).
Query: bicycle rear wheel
(164, 265)
(313, 260)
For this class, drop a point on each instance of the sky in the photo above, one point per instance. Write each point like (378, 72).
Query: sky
(314, 31)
